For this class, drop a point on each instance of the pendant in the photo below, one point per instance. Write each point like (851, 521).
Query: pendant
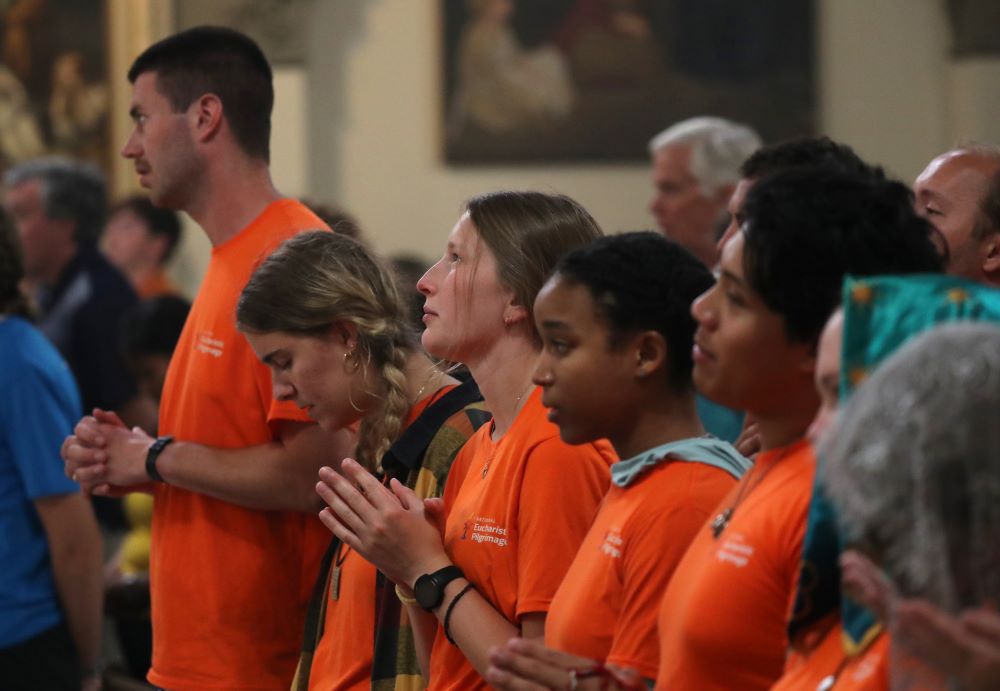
(720, 522)
(827, 683)
(486, 465)
(335, 584)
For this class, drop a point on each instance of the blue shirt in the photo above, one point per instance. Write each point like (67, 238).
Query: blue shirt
(39, 405)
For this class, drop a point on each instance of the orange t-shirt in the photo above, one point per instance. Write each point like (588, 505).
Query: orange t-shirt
(723, 617)
(606, 608)
(868, 670)
(516, 520)
(229, 585)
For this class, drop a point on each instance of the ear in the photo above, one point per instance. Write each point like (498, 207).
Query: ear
(650, 352)
(346, 333)
(514, 313)
(206, 117)
(991, 262)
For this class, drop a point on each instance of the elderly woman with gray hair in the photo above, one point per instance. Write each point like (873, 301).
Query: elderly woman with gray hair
(914, 471)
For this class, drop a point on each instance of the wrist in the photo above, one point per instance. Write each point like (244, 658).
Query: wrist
(424, 567)
(154, 454)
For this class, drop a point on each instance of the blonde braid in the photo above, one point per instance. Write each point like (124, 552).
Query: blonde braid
(380, 429)
(319, 278)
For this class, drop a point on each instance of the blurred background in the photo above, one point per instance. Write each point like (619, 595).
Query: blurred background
(371, 116)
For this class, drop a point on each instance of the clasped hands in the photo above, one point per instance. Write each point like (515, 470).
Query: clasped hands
(104, 456)
(391, 527)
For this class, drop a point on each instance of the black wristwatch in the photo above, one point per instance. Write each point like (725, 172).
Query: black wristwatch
(154, 451)
(429, 588)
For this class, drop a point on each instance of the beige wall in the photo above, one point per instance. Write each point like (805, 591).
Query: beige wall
(883, 74)
(359, 125)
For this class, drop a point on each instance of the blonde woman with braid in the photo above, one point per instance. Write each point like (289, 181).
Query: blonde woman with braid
(519, 500)
(324, 315)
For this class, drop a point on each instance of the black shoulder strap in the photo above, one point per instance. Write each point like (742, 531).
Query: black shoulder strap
(409, 448)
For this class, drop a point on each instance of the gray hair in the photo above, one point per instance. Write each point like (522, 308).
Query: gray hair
(718, 148)
(914, 466)
(69, 190)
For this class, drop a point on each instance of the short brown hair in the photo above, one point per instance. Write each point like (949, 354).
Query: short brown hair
(224, 62)
(528, 232)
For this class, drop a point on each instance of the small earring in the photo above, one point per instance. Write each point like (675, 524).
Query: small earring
(350, 356)
(640, 373)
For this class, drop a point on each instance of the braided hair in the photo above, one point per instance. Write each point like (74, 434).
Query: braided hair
(318, 278)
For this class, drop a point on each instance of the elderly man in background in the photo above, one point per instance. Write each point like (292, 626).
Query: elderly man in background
(58, 207)
(959, 193)
(695, 168)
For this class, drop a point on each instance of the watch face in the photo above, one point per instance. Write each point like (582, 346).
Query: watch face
(427, 592)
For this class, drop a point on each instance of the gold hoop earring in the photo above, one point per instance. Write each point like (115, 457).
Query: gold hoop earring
(350, 399)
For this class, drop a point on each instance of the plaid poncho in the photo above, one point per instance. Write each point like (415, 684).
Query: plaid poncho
(421, 457)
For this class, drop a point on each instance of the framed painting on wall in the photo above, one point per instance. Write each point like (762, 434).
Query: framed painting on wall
(594, 80)
(54, 94)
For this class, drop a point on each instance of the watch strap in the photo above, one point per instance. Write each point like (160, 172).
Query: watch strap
(154, 452)
(439, 580)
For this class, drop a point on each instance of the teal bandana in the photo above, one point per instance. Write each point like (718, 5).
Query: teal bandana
(880, 315)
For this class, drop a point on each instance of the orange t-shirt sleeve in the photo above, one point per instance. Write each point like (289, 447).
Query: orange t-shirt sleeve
(658, 542)
(572, 478)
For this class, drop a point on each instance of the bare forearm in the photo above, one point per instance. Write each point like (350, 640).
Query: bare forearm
(424, 627)
(266, 476)
(80, 585)
(475, 625)
(75, 548)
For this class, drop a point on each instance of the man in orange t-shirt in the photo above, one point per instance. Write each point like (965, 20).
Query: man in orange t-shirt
(233, 558)
(723, 617)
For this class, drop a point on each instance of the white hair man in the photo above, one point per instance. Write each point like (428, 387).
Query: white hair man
(695, 168)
